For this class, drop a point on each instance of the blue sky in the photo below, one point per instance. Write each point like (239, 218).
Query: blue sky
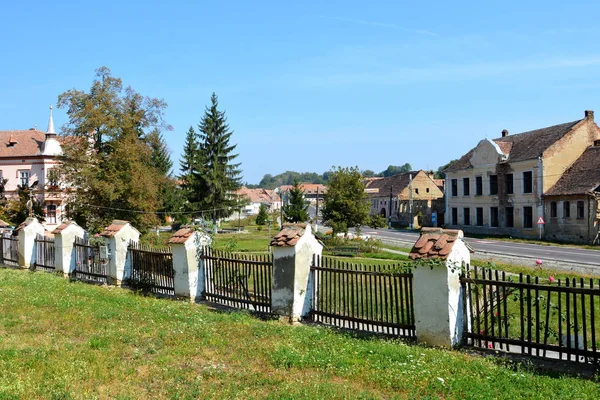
(307, 86)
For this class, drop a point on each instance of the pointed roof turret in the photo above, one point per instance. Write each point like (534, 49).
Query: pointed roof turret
(51, 145)
(50, 130)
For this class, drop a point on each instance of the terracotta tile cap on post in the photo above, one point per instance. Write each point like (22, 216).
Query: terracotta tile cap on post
(181, 236)
(113, 228)
(25, 223)
(435, 243)
(288, 236)
(62, 227)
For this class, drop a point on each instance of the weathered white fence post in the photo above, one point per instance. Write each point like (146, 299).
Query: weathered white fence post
(64, 240)
(27, 232)
(117, 236)
(293, 250)
(186, 246)
(439, 255)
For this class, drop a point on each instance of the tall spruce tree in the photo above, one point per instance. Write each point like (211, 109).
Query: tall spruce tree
(189, 174)
(219, 174)
(296, 210)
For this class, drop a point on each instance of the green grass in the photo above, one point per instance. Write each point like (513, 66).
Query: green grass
(63, 340)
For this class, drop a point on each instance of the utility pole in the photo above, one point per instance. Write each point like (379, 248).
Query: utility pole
(410, 201)
(390, 208)
(317, 211)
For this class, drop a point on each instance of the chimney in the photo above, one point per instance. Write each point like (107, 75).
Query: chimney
(589, 115)
(504, 133)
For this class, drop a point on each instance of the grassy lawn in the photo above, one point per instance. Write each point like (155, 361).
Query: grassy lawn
(61, 340)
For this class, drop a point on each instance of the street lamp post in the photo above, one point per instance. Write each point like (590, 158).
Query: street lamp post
(390, 208)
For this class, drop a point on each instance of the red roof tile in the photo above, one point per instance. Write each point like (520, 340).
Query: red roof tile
(62, 227)
(288, 236)
(435, 243)
(181, 236)
(114, 227)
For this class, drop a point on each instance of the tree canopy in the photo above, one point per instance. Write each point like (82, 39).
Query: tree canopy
(112, 163)
(346, 205)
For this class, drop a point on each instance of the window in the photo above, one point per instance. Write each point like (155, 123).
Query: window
(494, 217)
(553, 209)
(51, 214)
(427, 190)
(417, 191)
(580, 209)
(566, 209)
(527, 182)
(478, 186)
(466, 187)
(509, 181)
(454, 187)
(527, 217)
(466, 216)
(479, 216)
(454, 216)
(510, 217)
(493, 184)
(24, 178)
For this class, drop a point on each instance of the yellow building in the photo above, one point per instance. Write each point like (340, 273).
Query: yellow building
(498, 187)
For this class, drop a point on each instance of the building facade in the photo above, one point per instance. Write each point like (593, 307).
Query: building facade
(410, 198)
(30, 158)
(499, 186)
(257, 197)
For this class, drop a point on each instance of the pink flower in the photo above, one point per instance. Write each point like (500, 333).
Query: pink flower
(496, 314)
(538, 261)
(551, 279)
(482, 332)
(490, 346)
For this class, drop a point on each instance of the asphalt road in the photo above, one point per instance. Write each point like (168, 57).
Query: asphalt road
(547, 253)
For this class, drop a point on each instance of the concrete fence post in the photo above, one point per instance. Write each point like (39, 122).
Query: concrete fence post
(439, 255)
(27, 233)
(117, 237)
(294, 248)
(64, 240)
(186, 246)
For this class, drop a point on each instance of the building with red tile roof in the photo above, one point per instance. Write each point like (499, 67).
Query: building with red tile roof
(256, 198)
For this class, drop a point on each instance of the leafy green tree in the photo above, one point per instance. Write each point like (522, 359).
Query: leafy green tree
(219, 174)
(441, 171)
(396, 169)
(368, 173)
(263, 215)
(296, 209)
(346, 205)
(108, 163)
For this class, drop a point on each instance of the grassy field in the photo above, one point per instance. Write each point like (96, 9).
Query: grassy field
(63, 340)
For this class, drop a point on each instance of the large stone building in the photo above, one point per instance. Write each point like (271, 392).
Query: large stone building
(410, 198)
(500, 186)
(29, 158)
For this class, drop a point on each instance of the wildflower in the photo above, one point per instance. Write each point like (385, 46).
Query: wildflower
(482, 332)
(496, 314)
(538, 261)
(551, 279)
(490, 346)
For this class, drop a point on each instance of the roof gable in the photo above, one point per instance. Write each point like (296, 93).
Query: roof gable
(580, 178)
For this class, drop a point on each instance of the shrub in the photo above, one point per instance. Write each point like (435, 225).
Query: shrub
(376, 221)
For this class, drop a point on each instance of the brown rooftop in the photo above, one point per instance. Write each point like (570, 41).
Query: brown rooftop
(582, 177)
(114, 227)
(181, 236)
(288, 236)
(62, 227)
(435, 243)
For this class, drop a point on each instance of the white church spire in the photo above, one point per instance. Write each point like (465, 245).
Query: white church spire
(50, 122)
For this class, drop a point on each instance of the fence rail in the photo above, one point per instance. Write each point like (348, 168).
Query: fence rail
(10, 249)
(44, 253)
(371, 298)
(88, 265)
(555, 320)
(152, 269)
(242, 281)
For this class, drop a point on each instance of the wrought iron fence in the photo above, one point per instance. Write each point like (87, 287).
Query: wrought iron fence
(152, 269)
(44, 253)
(88, 265)
(10, 249)
(555, 319)
(236, 280)
(371, 298)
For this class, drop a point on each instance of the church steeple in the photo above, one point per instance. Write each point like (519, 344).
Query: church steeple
(50, 130)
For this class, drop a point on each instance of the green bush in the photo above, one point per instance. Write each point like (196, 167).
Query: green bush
(376, 221)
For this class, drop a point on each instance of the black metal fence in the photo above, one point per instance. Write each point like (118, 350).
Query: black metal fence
(44, 253)
(555, 319)
(88, 265)
(371, 298)
(235, 280)
(10, 249)
(152, 269)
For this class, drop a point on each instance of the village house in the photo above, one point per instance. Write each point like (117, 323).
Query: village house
(29, 158)
(501, 185)
(313, 192)
(410, 198)
(256, 198)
